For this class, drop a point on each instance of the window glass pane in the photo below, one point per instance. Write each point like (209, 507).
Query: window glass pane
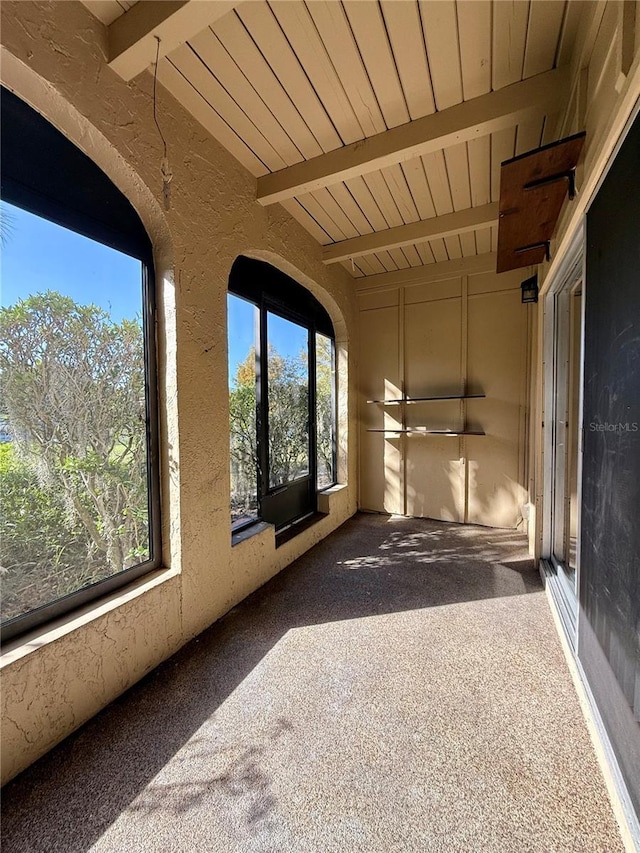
(325, 407)
(242, 409)
(566, 430)
(288, 400)
(73, 440)
(571, 522)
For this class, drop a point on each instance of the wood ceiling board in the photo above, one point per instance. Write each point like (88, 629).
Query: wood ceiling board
(439, 251)
(268, 36)
(411, 254)
(374, 264)
(529, 135)
(529, 216)
(574, 12)
(158, 25)
(105, 11)
(468, 244)
(353, 270)
(302, 35)
(220, 64)
(380, 191)
(479, 153)
(509, 39)
(351, 208)
(485, 114)
(457, 162)
(365, 200)
(502, 148)
(239, 44)
(404, 28)
(474, 29)
(483, 240)
(433, 272)
(387, 261)
(454, 250)
(448, 225)
(425, 253)
(440, 27)
(197, 73)
(328, 203)
(317, 211)
(416, 179)
(335, 31)
(367, 25)
(400, 258)
(543, 35)
(438, 179)
(182, 90)
(399, 189)
(295, 209)
(362, 265)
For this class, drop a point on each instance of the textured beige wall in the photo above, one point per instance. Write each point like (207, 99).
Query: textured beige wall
(432, 338)
(53, 57)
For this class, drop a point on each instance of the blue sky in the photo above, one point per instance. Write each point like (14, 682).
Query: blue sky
(287, 338)
(38, 255)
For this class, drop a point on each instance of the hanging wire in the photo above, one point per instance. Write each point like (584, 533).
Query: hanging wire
(167, 174)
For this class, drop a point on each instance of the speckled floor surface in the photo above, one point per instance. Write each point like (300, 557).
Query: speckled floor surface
(399, 688)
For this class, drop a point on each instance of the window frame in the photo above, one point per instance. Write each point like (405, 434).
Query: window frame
(30, 183)
(271, 291)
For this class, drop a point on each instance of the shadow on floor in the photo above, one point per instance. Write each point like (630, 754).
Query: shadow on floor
(373, 565)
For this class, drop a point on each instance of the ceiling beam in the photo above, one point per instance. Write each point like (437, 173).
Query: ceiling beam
(415, 232)
(469, 120)
(132, 36)
(428, 272)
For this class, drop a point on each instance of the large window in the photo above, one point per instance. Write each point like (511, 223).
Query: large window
(78, 474)
(282, 396)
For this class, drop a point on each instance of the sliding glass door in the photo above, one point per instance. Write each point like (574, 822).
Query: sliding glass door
(567, 310)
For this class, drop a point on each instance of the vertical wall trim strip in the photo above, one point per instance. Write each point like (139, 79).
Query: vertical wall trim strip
(463, 512)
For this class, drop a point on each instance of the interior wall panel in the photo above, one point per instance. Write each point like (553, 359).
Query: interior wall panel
(438, 338)
(381, 487)
(433, 348)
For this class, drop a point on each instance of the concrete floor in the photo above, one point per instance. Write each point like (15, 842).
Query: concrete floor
(401, 687)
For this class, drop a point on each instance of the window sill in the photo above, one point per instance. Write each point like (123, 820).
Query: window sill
(249, 532)
(15, 649)
(328, 497)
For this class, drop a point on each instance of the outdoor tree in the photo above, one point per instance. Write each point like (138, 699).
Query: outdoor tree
(73, 392)
(288, 421)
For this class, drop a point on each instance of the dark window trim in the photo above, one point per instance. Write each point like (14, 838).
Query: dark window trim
(272, 291)
(38, 167)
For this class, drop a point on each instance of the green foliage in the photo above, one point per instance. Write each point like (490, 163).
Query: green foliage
(73, 386)
(42, 545)
(288, 422)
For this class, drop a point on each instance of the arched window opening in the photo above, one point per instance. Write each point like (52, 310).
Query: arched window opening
(79, 484)
(282, 399)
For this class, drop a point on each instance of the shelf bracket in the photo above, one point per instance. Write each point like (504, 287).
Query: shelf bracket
(545, 244)
(569, 176)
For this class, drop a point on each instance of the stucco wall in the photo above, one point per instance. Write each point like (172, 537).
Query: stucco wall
(53, 57)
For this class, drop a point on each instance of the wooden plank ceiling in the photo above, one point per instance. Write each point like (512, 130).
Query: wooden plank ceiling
(284, 82)
(108, 10)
